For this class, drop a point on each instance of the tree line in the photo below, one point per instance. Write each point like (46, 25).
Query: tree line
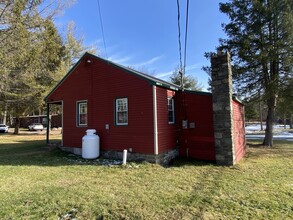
(33, 54)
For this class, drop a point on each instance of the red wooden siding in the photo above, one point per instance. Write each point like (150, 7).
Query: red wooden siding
(100, 84)
(239, 130)
(198, 142)
(166, 132)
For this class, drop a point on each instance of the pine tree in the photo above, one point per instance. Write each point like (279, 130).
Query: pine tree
(285, 104)
(74, 46)
(31, 49)
(189, 82)
(260, 39)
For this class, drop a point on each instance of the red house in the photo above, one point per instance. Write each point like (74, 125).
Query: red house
(130, 110)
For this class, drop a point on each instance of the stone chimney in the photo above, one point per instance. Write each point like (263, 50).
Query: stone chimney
(223, 108)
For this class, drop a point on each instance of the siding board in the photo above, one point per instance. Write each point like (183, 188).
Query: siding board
(166, 132)
(197, 142)
(239, 130)
(100, 84)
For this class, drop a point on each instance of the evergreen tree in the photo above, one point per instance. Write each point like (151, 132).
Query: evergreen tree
(260, 40)
(251, 111)
(285, 104)
(31, 49)
(189, 82)
(74, 46)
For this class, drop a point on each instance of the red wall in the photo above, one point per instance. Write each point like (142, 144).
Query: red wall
(239, 130)
(166, 132)
(100, 84)
(196, 142)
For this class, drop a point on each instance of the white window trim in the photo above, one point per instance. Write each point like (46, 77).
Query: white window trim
(116, 111)
(173, 111)
(78, 124)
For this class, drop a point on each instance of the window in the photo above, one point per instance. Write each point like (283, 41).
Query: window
(121, 111)
(171, 113)
(82, 113)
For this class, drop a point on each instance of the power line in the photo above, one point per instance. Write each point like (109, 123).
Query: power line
(182, 68)
(186, 31)
(102, 28)
(179, 36)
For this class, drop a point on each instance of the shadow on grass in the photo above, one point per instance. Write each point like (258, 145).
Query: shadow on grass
(31, 152)
(24, 133)
(53, 158)
(281, 148)
(181, 162)
(255, 145)
(35, 152)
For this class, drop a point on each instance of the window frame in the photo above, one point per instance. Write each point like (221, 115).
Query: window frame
(172, 110)
(117, 111)
(78, 107)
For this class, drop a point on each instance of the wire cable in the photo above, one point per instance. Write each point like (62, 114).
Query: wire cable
(179, 36)
(186, 31)
(102, 28)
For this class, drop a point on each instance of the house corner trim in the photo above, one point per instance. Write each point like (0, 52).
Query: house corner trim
(155, 114)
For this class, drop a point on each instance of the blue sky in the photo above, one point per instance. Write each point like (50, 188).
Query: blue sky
(144, 33)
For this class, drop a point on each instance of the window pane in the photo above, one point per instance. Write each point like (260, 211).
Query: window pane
(82, 113)
(171, 113)
(121, 111)
(122, 117)
(83, 108)
(83, 119)
(170, 116)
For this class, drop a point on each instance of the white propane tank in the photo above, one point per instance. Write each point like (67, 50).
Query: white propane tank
(90, 145)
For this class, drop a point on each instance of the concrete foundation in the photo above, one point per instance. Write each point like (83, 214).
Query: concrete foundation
(162, 159)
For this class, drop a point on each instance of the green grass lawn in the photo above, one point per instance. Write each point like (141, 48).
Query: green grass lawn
(36, 184)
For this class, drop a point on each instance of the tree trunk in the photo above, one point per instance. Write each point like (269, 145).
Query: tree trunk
(260, 116)
(17, 124)
(284, 121)
(5, 114)
(268, 140)
(290, 121)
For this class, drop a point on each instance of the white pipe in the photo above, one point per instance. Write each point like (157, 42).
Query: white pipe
(124, 157)
(156, 151)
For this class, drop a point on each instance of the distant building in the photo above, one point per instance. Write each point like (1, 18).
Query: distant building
(25, 121)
